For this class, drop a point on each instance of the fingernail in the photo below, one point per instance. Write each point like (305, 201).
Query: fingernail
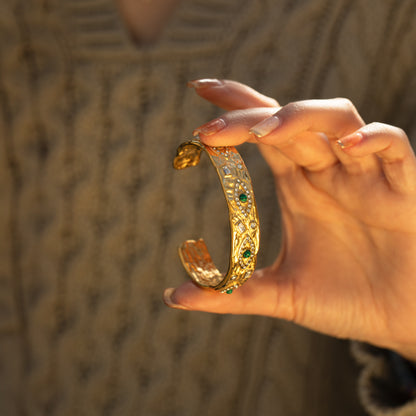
(205, 83)
(266, 126)
(349, 141)
(169, 299)
(210, 128)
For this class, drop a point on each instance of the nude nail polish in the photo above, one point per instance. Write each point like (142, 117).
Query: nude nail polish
(205, 83)
(349, 141)
(266, 126)
(168, 298)
(210, 128)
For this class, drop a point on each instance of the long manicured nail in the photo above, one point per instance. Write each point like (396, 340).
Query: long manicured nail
(266, 126)
(212, 127)
(349, 141)
(205, 83)
(169, 299)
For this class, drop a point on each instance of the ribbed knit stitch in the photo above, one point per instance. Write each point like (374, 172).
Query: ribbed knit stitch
(91, 211)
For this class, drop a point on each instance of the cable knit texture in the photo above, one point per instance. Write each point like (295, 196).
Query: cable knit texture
(91, 211)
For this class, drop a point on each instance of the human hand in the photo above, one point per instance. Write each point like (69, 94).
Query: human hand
(347, 191)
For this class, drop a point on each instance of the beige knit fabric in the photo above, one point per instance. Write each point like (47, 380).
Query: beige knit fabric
(91, 211)
(382, 392)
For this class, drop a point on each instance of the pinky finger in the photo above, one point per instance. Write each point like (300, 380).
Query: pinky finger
(393, 148)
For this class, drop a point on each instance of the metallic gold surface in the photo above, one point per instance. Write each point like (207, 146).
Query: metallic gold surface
(244, 222)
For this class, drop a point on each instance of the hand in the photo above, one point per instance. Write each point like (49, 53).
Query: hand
(347, 191)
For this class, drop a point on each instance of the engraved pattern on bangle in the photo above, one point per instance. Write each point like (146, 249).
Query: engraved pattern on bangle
(244, 223)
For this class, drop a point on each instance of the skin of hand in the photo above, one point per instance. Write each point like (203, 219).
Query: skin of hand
(347, 191)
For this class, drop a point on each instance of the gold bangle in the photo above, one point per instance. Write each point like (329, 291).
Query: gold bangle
(244, 221)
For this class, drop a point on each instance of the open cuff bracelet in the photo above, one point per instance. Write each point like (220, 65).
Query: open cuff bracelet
(244, 222)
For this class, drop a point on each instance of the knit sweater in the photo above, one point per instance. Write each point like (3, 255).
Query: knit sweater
(91, 211)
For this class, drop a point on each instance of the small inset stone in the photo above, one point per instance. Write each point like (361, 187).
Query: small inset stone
(226, 170)
(229, 291)
(241, 227)
(243, 198)
(247, 254)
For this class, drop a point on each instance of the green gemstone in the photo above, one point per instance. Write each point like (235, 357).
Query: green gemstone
(247, 254)
(243, 198)
(229, 291)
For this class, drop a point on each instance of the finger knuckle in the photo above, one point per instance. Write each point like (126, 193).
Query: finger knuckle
(387, 129)
(350, 112)
(376, 125)
(399, 132)
(346, 103)
(292, 108)
(375, 128)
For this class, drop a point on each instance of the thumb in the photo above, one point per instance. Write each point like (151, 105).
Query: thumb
(260, 295)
